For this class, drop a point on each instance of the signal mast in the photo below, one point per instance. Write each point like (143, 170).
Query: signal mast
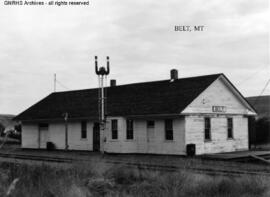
(102, 73)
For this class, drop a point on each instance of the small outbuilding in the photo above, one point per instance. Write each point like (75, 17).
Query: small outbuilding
(203, 114)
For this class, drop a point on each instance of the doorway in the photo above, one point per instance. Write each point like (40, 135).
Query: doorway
(43, 135)
(96, 137)
(150, 136)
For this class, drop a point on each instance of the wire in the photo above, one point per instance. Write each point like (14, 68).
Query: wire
(264, 88)
(62, 84)
(252, 75)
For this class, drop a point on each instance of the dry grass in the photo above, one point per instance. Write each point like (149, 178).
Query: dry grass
(97, 179)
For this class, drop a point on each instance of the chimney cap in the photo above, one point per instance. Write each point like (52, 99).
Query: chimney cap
(113, 82)
(174, 74)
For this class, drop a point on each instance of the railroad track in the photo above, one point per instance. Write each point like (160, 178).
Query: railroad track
(141, 165)
(37, 158)
(252, 158)
(209, 171)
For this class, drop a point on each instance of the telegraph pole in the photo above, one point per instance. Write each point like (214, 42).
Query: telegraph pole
(54, 83)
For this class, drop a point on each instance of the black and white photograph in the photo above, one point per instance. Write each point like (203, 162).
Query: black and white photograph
(134, 98)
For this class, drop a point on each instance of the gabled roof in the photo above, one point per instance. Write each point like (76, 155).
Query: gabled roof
(149, 98)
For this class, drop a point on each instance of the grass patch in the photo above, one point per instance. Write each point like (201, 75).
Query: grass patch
(97, 179)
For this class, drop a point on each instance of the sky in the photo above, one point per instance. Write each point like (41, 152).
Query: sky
(139, 37)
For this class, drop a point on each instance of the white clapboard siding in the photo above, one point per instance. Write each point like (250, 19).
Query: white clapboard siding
(139, 144)
(56, 134)
(217, 94)
(219, 141)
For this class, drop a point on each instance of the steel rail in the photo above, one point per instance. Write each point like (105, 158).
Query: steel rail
(142, 165)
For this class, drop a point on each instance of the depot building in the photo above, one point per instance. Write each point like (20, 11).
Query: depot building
(204, 113)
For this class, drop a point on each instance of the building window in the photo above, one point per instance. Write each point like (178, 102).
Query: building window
(43, 126)
(114, 129)
(230, 127)
(168, 129)
(150, 124)
(83, 129)
(129, 124)
(207, 129)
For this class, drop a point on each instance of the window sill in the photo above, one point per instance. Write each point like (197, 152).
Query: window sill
(230, 138)
(84, 139)
(206, 141)
(169, 141)
(113, 140)
(129, 140)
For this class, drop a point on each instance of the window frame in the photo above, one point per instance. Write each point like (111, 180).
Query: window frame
(129, 129)
(114, 131)
(150, 126)
(207, 129)
(83, 129)
(230, 128)
(168, 124)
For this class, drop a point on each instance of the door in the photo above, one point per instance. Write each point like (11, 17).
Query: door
(96, 137)
(43, 136)
(150, 136)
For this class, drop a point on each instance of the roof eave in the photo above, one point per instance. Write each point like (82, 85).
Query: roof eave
(58, 119)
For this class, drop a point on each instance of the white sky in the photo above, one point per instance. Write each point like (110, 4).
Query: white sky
(139, 37)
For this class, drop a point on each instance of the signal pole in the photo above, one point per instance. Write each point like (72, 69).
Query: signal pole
(102, 73)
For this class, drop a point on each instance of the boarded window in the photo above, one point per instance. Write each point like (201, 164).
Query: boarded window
(114, 129)
(83, 129)
(129, 129)
(230, 127)
(168, 129)
(207, 129)
(150, 124)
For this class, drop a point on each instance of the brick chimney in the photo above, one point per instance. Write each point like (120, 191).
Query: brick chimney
(174, 74)
(113, 82)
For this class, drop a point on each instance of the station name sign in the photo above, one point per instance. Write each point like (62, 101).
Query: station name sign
(219, 109)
